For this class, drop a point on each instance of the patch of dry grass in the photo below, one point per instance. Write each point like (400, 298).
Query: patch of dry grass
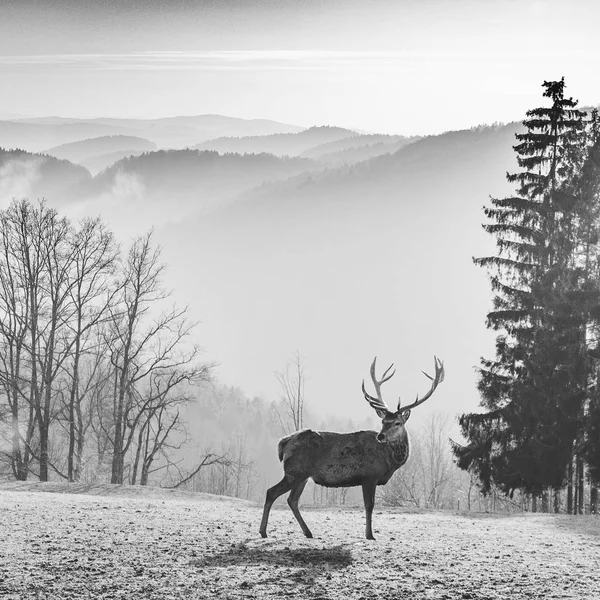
(125, 542)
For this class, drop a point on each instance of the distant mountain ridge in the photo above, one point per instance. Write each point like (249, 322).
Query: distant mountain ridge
(356, 141)
(358, 148)
(37, 134)
(279, 144)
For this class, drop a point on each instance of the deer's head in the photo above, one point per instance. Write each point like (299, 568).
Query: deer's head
(392, 422)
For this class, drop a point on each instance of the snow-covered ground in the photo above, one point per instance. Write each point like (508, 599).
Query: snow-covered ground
(122, 542)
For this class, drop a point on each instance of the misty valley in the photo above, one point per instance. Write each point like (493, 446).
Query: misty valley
(271, 240)
(189, 311)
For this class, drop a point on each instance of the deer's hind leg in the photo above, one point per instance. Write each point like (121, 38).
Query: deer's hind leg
(272, 494)
(293, 498)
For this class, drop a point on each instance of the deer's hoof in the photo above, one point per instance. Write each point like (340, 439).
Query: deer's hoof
(263, 534)
(308, 534)
(370, 536)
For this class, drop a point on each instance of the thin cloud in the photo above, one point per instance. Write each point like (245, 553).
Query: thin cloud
(239, 60)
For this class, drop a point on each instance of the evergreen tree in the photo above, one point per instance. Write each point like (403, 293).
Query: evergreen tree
(589, 192)
(534, 388)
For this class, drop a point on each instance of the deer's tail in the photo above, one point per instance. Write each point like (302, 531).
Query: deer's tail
(282, 444)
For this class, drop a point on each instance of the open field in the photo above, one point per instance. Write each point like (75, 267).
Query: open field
(121, 542)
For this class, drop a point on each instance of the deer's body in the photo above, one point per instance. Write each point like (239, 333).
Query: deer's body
(364, 458)
(341, 459)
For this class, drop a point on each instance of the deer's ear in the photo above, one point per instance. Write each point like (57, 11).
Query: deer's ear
(381, 413)
(405, 414)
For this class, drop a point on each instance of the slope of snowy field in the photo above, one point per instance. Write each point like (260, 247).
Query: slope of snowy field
(130, 542)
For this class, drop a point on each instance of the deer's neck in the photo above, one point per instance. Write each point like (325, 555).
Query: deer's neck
(399, 451)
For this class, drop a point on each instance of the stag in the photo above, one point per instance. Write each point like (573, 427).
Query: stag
(364, 458)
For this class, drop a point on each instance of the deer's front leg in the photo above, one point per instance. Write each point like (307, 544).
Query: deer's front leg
(369, 499)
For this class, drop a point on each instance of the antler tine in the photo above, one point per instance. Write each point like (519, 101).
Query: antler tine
(378, 383)
(374, 402)
(439, 377)
(378, 403)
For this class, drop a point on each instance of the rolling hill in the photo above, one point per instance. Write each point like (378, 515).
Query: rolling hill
(82, 150)
(23, 174)
(95, 164)
(359, 141)
(358, 148)
(172, 184)
(281, 144)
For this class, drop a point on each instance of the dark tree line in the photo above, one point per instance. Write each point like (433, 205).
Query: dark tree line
(540, 429)
(93, 367)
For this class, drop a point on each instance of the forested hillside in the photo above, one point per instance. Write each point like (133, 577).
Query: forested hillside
(23, 174)
(139, 191)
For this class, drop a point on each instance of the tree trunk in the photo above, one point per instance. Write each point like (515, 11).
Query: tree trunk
(534, 503)
(556, 500)
(138, 452)
(72, 410)
(80, 444)
(570, 488)
(19, 462)
(19, 469)
(43, 452)
(117, 468)
(47, 375)
(545, 502)
(43, 422)
(146, 471)
(27, 453)
(594, 500)
(581, 486)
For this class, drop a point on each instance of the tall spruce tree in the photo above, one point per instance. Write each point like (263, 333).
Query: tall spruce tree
(534, 388)
(588, 189)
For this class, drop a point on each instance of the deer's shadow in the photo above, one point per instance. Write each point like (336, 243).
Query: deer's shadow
(336, 557)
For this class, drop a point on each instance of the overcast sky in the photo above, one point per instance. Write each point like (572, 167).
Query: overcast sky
(396, 66)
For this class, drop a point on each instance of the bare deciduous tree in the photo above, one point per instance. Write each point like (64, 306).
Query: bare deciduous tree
(87, 348)
(426, 480)
(37, 259)
(14, 329)
(437, 460)
(290, 408)
(150, 353)
(92, 296)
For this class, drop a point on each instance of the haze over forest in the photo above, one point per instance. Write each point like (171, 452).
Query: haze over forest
(279, 252)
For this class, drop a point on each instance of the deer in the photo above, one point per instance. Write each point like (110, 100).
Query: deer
(365, 458)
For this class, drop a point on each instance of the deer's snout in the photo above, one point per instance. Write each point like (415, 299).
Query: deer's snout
(381, 437)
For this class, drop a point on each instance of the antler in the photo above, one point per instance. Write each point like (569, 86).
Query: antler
(439, 377)
(378, 403)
